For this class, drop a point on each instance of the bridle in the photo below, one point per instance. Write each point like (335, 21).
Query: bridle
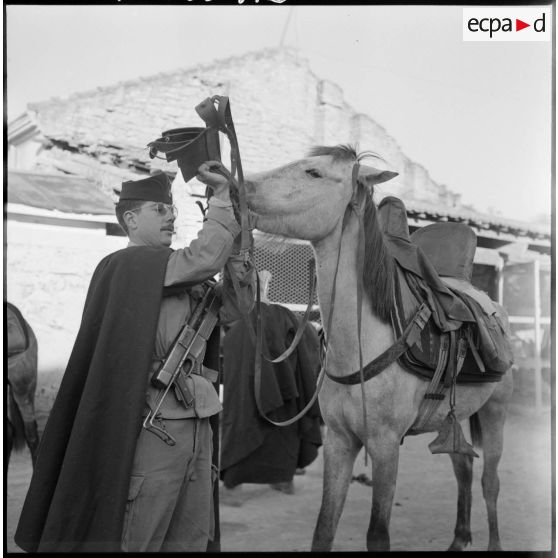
(355, 206)
(203, 145)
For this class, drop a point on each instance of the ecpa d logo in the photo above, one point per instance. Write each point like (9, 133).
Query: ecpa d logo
(507, 24)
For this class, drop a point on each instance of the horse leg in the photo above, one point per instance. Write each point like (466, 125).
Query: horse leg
(492, 417)
(30, 431)
(15, 422)
(340, 451)
(9, 446)
(463, 469)
(32, 438)
(385, 462)
(23, 383)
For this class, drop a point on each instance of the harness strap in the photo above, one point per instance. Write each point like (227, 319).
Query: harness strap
(301, 326)
(474, 351)
(258, 378)
(224, 122)
(434, 393)
(461, 352)
(390, 355)
(358, 210)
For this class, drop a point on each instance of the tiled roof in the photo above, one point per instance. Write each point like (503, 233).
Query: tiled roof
(63, 193)
(419, 209)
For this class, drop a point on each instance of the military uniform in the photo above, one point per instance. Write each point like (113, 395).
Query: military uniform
(170, 502)
(102, 482)
(170, 505)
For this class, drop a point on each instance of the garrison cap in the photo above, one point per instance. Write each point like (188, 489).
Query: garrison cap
(155, 188)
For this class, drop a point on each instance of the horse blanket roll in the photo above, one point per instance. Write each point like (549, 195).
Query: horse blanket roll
(78, 491)
(253, 450)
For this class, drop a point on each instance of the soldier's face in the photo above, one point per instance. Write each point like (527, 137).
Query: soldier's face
(152, 225)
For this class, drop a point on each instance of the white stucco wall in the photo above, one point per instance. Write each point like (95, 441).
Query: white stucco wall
(48, 268)
(47, 273)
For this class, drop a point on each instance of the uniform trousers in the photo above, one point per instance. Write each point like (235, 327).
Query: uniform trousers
(170, 501)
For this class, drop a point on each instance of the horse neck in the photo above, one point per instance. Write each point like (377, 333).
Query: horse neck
(342, 337)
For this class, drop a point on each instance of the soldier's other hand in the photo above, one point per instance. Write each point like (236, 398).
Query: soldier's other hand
(218, 183)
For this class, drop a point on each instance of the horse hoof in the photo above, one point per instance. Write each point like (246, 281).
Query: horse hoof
(458, 546)
(321, 548)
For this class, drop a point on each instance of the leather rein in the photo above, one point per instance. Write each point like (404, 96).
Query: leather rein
(221, 119)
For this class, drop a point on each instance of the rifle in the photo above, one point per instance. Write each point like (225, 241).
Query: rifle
(186, 351)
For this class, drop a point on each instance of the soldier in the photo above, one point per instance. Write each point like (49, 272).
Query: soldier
(102, 482)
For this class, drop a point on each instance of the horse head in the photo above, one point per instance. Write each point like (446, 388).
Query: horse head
(307, 199)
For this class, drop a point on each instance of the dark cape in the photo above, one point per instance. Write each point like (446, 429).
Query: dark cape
(77, 496)
(253, 450)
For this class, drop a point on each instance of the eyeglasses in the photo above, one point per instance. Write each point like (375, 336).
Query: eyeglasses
(161, 208)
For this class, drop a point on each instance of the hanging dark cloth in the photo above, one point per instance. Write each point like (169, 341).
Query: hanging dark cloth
(253, 450)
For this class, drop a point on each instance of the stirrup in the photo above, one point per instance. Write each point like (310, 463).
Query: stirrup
(451, 439)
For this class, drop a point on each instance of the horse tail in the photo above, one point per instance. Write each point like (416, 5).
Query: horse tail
(476, 430)
(16, 420)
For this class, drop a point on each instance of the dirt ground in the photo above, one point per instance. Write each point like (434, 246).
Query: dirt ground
(425, 501)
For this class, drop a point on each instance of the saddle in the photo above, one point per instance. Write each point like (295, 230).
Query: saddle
(466, 338)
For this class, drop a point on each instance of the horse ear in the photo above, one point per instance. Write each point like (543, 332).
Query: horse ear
(373, 176)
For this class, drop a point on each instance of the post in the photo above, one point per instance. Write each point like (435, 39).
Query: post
(537, 359)
(500, 281)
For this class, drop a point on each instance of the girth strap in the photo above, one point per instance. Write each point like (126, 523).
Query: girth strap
(453, 350)
(435, 392)
(390, 355)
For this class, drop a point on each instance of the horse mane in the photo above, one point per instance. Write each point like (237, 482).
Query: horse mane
(341, 153)
(379, 267)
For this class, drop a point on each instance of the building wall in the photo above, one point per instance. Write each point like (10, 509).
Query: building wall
(280, 109)
(48, 269)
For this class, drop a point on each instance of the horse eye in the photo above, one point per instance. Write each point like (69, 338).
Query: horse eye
(313, 173)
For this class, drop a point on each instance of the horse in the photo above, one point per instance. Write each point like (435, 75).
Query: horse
(309, 199)
(22, 427)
